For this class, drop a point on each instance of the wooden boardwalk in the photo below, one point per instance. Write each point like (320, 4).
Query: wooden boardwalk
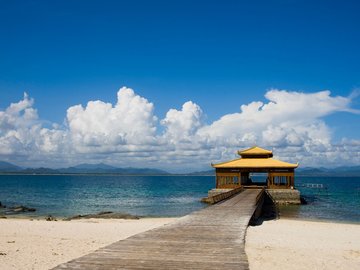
(212, 238)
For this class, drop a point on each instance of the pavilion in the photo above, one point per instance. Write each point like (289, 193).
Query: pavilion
(236, 173)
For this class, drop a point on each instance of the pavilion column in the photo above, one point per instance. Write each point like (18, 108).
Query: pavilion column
(269, 180)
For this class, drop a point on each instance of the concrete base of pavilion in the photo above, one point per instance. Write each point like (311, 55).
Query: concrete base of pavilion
(279, 196)
(284, 196)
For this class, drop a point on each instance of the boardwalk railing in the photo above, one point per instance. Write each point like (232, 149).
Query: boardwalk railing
(222, 196)
(259, 201)
(259, 196)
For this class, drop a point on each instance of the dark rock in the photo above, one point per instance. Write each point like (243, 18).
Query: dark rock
(50, 218)
(107, 215)
(104, 213)
(74, 217)
(3, 217)
(21, 209)
(302, 200)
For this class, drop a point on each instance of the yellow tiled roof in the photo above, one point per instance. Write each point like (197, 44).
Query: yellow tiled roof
(255, 151)
(255, 163)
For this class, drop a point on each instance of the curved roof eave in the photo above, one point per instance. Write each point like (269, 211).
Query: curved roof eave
(256, 163)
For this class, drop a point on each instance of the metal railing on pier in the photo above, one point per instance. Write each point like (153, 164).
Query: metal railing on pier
(312, 185)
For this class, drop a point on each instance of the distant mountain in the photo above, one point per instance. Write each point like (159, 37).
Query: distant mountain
(348, 169)
(208, 172)
(39, 171)
(88, 168)
(336, 172)
(309, 171)
(100, 168)
(144, 171)
(107, 169)
(8, 167)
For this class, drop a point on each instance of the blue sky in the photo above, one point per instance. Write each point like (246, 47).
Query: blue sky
(218, 54)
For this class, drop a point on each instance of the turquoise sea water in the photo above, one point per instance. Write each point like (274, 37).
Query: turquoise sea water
(338, 200)
(68, 195)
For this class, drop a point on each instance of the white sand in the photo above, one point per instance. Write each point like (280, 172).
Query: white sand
(40, 244)
(294, 244)
(280, 244)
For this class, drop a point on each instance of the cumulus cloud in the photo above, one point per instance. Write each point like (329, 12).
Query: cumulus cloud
(183, 124)
(18, 124)
(284, 108)
(101, 126)
(126, 133)
(23, 137)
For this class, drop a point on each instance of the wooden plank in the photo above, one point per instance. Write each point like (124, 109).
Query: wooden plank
(212, 238)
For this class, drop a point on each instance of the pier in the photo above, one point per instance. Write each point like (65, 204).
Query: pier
(211, 238)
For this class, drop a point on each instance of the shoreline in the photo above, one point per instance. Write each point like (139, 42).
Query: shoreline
(275, 244)
(72, 218)
(83, 217)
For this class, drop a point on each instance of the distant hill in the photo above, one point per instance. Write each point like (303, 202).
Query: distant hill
(8, 167)
(100, 168)
(336, 172)
(107, 169)
(309, 171)
(145, 171)
(88, 168)
(208, 172)
(39, 171)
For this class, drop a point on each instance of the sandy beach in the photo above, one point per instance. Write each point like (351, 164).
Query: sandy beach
(40, 244)
(296, 244)
(277, 244)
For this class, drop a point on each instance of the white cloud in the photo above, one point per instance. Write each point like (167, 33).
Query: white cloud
(284, 108)
(125, 133)
(183, 124)
(18, 125)
(101, 126)
(22, 136)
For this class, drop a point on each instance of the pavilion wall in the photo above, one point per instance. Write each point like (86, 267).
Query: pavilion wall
(278, 178)
(281, 179)
(228, 179)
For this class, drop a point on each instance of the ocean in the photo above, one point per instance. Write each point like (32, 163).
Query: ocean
(332, 198)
